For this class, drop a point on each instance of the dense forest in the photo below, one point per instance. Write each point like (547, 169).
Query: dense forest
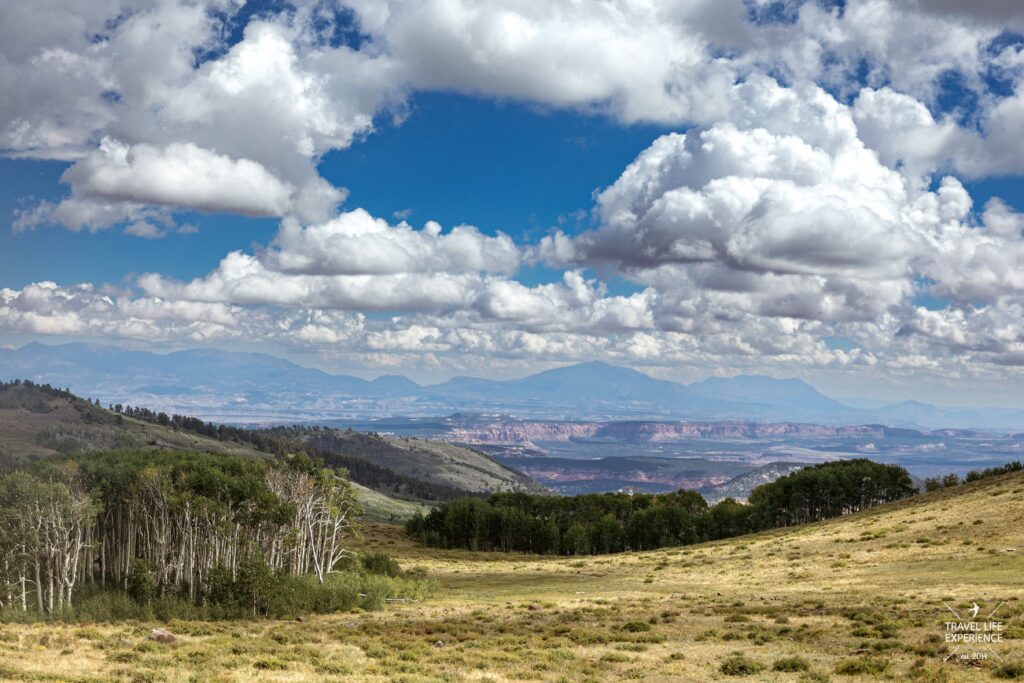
(198, 528)
(617, 522)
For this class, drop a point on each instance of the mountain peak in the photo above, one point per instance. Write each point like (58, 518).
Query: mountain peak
(594, 368)
(396, 382)
(790, 395)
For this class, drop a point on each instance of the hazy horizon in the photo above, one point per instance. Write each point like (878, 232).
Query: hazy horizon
(859, 401)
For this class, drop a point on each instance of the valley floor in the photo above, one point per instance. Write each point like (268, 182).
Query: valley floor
(859, 598)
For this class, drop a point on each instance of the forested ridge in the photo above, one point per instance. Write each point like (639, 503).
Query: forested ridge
(315, 441)
(617, 522)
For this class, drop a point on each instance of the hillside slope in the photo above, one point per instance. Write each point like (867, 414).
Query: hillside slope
(34, 423)
(38, 423)
(858, 598)
(854, 599)
(430, 461)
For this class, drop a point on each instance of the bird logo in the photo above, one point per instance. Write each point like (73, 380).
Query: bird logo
(974, 611)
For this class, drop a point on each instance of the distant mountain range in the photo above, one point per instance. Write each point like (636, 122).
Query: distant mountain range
(243, 387)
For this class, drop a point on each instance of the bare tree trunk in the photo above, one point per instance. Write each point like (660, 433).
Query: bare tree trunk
(39, 588)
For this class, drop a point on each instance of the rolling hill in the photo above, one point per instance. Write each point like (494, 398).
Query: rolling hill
(37, 422)
(440, 463)
(34, 423)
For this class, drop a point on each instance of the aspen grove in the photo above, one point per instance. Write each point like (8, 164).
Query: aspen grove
(183, 515)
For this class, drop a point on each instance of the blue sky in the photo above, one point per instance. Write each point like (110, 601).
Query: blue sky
(519, 168)
(713, 188)
(508, 166)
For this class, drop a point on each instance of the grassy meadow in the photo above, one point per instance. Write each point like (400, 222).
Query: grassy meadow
(861, 598)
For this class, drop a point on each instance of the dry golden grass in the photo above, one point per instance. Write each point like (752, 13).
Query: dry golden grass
(862, 595)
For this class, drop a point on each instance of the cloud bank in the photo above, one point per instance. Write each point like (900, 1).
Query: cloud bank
(810, 210)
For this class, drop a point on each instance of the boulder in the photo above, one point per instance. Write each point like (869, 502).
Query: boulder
(162, 635)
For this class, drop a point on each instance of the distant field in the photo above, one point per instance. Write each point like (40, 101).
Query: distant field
(861, 598)
(571, 476)
(925, 455)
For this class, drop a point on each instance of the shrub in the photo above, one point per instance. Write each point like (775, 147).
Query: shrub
(614, 658)
(791, 664)
(269, 664)
(738, 664)
(1010, 670)
(99, 605)
(254, 586)
(868, 666)
(814, 677)
(636, 626)
(141, 584)
(218, 586)
(256, 592)
(381, 563)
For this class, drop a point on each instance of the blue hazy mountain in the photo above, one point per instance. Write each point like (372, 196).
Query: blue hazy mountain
(909, 412)
(97, 366)
(595, 387)
(397, 383)
(791, 395)
(229, 384)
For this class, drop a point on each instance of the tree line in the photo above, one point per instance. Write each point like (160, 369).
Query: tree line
(950, 480)
(616, 522)
(23, 393)
(827, 490)
(185, 520)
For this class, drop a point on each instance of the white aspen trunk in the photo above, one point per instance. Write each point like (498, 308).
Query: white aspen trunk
(39, 587)
(49, 573)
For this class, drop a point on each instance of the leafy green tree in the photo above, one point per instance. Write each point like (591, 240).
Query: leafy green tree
(141, 583)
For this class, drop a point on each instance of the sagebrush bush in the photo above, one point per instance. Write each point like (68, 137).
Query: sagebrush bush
(791, 664)
(636, 626)
(381, 563)
(858, 666)
(738, 664)
(1009, 670)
